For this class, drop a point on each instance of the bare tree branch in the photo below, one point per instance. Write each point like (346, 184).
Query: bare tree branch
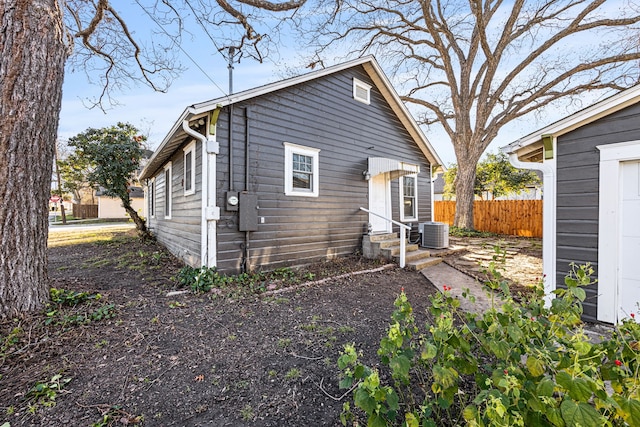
(473, 66)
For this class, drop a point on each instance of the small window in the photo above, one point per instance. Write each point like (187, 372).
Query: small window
(189, 177)
(301, 170)
(361, 91)
(167, 191)
(152, 198)
(409, 198)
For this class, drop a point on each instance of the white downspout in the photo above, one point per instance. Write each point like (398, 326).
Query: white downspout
(548, 220)
(210, 212)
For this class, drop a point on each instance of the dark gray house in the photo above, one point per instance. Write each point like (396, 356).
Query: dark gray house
(276, 176)
(591, 166)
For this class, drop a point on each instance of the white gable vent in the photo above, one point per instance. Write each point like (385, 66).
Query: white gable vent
(434, 235)
(361, 91)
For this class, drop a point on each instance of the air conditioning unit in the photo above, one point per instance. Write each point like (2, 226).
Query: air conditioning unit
(434, 235)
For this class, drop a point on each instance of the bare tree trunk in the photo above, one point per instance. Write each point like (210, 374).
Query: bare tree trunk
(465, 180)
(139, 222)
(32, 57)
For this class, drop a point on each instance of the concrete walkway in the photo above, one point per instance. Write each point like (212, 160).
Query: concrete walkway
(444, 275)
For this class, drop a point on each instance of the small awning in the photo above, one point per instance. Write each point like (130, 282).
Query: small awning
(395, 168)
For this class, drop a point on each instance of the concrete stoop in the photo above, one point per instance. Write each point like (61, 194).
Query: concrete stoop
(388, 246)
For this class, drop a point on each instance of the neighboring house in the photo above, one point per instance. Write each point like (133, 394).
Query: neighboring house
(591, 166)
(305, 154)
(111, 207)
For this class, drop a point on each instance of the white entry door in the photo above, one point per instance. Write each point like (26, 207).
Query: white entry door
(629, 259)
(380, 203)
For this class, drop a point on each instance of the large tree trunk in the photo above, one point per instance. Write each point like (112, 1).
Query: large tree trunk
(33, 53)
(465, 182)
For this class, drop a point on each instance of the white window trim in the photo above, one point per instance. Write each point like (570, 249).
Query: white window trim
(191, 148)
(359, 83)
(611, 156)
(168, 191)
(152, 198)
(289, 150)
(404, 218)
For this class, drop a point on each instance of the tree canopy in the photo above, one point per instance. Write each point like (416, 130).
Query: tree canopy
(495, 177)
(470, 67)
(111, 157)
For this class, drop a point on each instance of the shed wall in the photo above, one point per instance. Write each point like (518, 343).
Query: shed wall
(578, 192)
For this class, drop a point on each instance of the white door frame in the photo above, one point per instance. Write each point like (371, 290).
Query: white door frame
(380, 187)
(610, 188)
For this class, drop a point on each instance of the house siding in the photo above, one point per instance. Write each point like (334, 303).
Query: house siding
(578, 193)
(181, 233)
(319, 114)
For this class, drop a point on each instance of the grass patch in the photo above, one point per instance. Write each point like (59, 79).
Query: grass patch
(75, 237)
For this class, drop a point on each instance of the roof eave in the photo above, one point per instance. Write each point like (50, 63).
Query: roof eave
(590, 114)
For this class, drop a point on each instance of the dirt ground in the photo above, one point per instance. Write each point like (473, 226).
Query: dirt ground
(231, 358)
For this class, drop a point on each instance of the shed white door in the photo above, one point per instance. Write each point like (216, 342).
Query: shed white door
(629, 261)
(380, 203)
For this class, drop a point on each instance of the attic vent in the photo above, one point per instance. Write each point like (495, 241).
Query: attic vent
(361, 91)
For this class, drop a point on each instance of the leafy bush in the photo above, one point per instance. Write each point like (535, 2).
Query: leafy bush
(203, 279)
(520, 365)
(466, 232)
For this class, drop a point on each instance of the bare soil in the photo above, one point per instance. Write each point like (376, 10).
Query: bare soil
(228, 358)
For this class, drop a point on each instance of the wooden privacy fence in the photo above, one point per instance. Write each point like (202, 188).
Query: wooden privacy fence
(85, 211)
(513, 217)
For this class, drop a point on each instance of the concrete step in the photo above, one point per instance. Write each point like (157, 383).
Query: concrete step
(382, 237)
(423, 263)
(413, 255)
(390, 243)
(393, 251)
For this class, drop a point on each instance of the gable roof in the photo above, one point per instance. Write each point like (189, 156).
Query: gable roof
(533, 142)
(176, 135)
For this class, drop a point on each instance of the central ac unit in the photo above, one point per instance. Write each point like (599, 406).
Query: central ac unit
(434, 235)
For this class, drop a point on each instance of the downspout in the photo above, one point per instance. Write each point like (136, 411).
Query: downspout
(210, 213)
(245, 252)
(548, 218)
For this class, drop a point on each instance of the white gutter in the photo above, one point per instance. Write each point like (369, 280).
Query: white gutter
(210, 212)
(548, 218)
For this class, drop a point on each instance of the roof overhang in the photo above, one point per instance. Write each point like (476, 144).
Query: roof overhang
(396, 168)
(195, 112)
(534, 147)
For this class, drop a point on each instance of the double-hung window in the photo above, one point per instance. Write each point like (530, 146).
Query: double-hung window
(189, 178)
(301, 170)
(409, 198)
(167, 191)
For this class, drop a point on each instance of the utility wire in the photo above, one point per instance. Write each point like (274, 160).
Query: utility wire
(204, 27)
(153, 18)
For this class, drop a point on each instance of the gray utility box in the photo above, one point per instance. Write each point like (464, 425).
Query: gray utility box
(434, 235)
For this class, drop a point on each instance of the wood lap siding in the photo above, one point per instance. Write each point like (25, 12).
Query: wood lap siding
(318, 114)
(181, 233)
(578, 191)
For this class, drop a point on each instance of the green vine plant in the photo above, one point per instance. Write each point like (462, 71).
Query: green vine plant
(522, 364)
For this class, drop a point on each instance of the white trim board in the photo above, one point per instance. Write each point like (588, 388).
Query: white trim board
(609, 224)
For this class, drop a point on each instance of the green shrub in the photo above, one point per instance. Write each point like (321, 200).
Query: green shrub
(520, 365)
